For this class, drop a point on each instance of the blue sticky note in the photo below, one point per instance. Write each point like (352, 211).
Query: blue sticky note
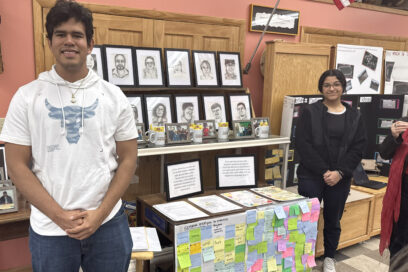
(219, 266)
(278, 259)
(251, 216)
(208, 254)
(252, 256)
(183, 237)
(261, 222)
(229, 267)
(304, 207)
(239, 267)
(288, 262)
(206, 233)
(268, 215)
(271, 249)
(230, 231)
(280, 213)
(195, 260)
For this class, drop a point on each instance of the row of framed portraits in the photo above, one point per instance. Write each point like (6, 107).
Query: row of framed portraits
(127, 66)
(159, 109)
(184, 178)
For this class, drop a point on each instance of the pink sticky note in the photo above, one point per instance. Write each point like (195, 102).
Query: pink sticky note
(311, 261)
(276, 237)
(314, 217)
(281, 245)
(304, 258)
(288, 252)
(306, 216)
(286, 209)
(285, 223)
(257, 265)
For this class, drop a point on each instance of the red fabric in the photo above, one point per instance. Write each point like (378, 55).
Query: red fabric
(392, 198)
(342, 3)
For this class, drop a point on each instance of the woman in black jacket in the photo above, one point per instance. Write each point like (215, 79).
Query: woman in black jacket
(330, 140)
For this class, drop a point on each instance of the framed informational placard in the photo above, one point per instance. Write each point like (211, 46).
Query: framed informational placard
(119, 65)
(8, 199)
(183, 179)
(284, 21)
(236, 171)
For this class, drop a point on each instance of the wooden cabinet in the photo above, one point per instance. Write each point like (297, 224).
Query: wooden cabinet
(291, 69)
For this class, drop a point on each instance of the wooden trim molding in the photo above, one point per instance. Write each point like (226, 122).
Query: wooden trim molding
(370, 7)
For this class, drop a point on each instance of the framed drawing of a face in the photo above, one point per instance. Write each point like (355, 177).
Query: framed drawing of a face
(240, 106)
(214, 108)
(158, 110)
(94, 61)
(149, 67)
(205, 68)
(136, 101)
(230, 69)
(178, 67)
(119, 65)
(187, 108)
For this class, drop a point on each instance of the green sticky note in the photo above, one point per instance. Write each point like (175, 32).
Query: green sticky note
(195, 235)
(299, 265)
(299, 249)
(292, 224)
(292, 210)
(196, 269)
(229, 245)
(252, 248)
(297, 209)
(301, 238)
(239, 249)
(262, 247)
(293, 236)
(278, 223)
(250, 233)
(184, 260)
(240, 257)
(289, 269)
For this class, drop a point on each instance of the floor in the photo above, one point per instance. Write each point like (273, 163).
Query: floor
(362, 257)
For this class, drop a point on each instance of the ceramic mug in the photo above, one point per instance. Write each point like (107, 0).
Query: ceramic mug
(223, 131)
(198, 134)
(156, 136)
(262, 132)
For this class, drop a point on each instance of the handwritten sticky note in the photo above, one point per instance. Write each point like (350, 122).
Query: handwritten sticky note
(207, 243)
(240, 229)
(253, 248)
(315, 204)
(304, 207)
(240, 240)
(239, 257)
(281, 231)
(294, 210)
(281, 245)
(314, 217)
(196, 269)
(262, 247)
(299, 249)
(257, 265)
(308, 248)
(311, 261)
(288, 252)
(279, 223)
(239, 266)
(250, 232)
(271, 264)
(261, 215)
(287, 263)
(251, 217)
(276, 237)
(208, 254)
(229, 257)
(304, 258)
(298, 264)
(292, 224)
(195, 248)
(182, 249)
(306, 216)
(206, 232)
(195, 235)
(184, 260)
(182, 238)
(219, 244)
(229, 231)
(293, 236)
(219, 256)
(195, 260)
(279, 212)
(229, 245)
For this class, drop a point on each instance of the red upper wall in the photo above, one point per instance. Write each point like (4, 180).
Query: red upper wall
(16, 32)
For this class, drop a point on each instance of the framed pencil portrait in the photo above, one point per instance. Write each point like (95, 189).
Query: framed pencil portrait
(158, 110)
(236, 171)
(240, 106)
(230, 69)
(8, 199)
(149, 67)
(136, 102)
(187, 108)
(119, 65)
(183, 179)
(214, 108)
(205, 68)
(95, 60)
(178, 69)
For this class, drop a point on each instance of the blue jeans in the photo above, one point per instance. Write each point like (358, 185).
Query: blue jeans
(108, 249)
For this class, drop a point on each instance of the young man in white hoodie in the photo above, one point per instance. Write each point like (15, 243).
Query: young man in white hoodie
(71, 151)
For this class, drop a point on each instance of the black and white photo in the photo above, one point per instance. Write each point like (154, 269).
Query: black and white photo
(400, 87)
(362, 76)
(119, 65)
(240, 106)
(94, 60)
(374, 84)
(187, 108)
(205, 68)
(389, 66)
(158, 109)
(214, 108)
(243, 129)
(370, 60)
(136, 103)
(178, 67)
(149, 67)
(346, 69)
(8, 199)
(209, 129)
(236, 171)
(230, 69)
(178, 133)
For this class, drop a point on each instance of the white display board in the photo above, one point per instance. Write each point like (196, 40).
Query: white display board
(361, 65)
(396, 72)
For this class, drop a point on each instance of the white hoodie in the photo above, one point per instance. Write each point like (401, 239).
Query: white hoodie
(74, 149)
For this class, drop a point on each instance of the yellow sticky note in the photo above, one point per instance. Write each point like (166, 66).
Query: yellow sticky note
(182, 249)
(261, 215)
(276, 172)
(219, 244)
(272, 264)
(229, 257)
(268, 173)
(184, 260)
(308, 248)
(207, 243)
(240, 240)
(219, 256)
(240, 229)
(195, 248)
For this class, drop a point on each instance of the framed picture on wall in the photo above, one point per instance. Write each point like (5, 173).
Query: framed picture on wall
(95, 61)
(230, 69)
(8, 199)
(187, 108)
(3, 164)
(214, 108)
(136, 101)
(149, 67)
(119, 65)
(205, 68)
(178, 69)
(158, 110)
(284, 21)
(240, 106)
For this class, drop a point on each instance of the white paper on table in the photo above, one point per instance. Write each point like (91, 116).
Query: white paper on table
(153, 240)
(214, 204)
(139, 239)
(179, 211)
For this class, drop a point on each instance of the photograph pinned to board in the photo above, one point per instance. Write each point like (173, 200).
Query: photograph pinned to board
(361, 66)
(119, 65)
(95, 60)
(214, 204)
(396, 72)
(284, 21)
(205, 68)
(236, 171)
(230, 69)
(183, 179)
(178, 69)
(149, 67)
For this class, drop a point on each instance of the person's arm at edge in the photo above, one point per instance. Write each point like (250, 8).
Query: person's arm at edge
(127, 153)
(18, 160)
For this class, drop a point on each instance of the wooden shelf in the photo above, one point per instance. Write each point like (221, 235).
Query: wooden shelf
(181, 89)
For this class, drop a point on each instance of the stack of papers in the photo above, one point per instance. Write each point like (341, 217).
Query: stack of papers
(276, 193)
(214, 204)
(179, 211)
(247, 198)
(145, 239)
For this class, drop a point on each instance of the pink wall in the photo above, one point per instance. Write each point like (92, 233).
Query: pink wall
(16, 37)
